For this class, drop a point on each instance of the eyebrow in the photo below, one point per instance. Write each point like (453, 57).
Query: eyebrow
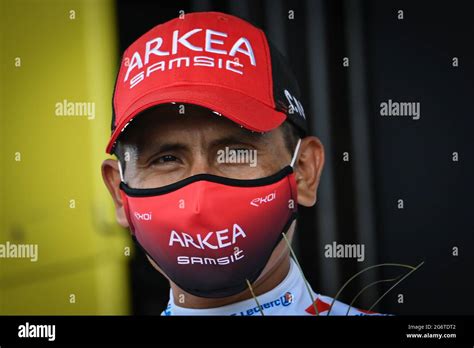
(234, 139)
(165, 147)
(222, 141)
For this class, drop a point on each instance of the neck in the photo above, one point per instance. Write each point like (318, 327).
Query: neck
(270, 278)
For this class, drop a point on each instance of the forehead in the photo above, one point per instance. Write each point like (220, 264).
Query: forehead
(179, 121)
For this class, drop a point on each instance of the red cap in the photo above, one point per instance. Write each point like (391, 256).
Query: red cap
(210, 59)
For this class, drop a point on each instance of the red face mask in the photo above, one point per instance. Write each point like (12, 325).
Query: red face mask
(210, 234)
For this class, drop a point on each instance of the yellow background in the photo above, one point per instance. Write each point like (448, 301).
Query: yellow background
(81, 250)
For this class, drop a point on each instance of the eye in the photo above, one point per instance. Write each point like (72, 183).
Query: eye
(238, 149)
(165, 159)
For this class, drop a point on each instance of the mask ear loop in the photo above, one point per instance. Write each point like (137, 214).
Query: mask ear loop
(121, 172)
(295, 155)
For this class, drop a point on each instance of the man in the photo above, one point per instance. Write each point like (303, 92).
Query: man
(214, 158)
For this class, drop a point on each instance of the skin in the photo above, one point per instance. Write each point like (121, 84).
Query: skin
(182, 145)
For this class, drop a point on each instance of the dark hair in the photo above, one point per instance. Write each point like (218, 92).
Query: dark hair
(291, 135)
(119, 152)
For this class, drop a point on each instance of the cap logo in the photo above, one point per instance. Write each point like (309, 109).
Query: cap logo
(210, 41)
(294, 104)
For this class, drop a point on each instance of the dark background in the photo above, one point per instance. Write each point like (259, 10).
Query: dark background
(408, 60)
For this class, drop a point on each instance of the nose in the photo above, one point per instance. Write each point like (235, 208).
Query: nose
(200, 165)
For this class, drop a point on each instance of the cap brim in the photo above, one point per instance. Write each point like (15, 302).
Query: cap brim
(237, 107)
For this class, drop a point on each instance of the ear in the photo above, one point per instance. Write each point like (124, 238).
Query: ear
(111, 177)
(309, 166)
